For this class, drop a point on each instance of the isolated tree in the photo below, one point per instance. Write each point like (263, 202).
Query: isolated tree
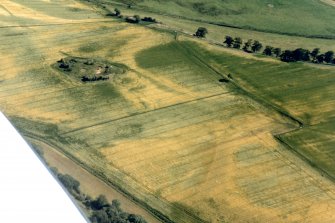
(237, 43)
(277, 51)
(229, 41)
(256, 46)
(315, 52)
(268, 50)
(117, 12)
(201, 32)
(329, 56)
(247, 45)
(320, 58)
(333, 61)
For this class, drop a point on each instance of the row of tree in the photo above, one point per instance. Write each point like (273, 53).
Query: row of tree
(299, 54)
(254, 46)
(101, 211)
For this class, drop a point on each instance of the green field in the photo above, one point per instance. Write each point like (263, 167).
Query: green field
(217, 33)
(167, 133)
(298, 89)
(316, 144)
(271, 16)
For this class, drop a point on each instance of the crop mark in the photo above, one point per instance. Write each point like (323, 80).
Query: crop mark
(4, 8)
(145, 112)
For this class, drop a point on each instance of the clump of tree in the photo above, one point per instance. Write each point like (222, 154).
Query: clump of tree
(94, 78)
(268, 51)
(247, 45)
(66, 65)
(237, 43)
(71, 184)
(329, 56)
(256, 46)
(277, 51)
(229, 41)
(149, 19)
(315, 52)
(305, 55)
(201, 32)
(104, 212)
(133, 19)
(116, 13)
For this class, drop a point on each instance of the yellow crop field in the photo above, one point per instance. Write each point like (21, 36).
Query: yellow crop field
(166, 132)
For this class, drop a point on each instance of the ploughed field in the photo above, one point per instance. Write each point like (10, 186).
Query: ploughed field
(165, 130)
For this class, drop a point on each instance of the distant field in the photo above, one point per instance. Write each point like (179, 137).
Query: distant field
(167, 133)
(294, 17)
(218, 33)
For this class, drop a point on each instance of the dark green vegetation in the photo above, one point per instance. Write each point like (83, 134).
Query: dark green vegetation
(99, 209)
(315, 144)
(201, 32)
(270, 16)
(253, 46)
(297, 89)
(89, 70)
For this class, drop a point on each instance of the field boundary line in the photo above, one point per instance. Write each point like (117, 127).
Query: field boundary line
(304, 158)
(4, 8)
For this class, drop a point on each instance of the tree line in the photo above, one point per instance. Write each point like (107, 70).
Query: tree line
(299, 54)
(101, 211)
(254, 46)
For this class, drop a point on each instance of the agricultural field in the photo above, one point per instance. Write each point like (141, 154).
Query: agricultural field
(169, 129)
(217, 33)
(301, 90)
(316, 144)
(284, 16)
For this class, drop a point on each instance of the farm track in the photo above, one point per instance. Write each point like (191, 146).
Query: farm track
(4, 8)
